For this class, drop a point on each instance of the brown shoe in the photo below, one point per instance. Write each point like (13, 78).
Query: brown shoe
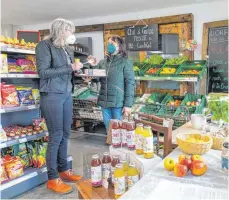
(58, 186)
(69, 176)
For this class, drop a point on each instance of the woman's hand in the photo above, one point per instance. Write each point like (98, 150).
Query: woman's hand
(126, 111)
(91, 60)
(77, 66)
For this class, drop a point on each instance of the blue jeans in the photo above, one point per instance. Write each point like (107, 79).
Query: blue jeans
(111, 113)
(57, 110)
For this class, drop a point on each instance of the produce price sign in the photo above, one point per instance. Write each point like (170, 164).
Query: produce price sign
(141, 37)
(218, 60)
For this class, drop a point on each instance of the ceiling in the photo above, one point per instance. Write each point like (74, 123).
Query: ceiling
(26, 12)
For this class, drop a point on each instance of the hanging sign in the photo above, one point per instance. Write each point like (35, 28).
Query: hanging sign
(142, 37)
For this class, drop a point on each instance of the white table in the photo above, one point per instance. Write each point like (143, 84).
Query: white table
(159, 184)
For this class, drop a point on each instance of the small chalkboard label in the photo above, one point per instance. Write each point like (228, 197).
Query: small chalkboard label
(218, 60)
(142, 38)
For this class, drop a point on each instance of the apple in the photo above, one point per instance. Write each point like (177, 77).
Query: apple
(169, 164)
(196, 157)
(182, 157)
(187, 162)
(188, 103)
(180, 170)
(198, 168)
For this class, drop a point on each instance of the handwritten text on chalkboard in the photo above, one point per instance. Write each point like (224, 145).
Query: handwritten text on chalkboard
(141, 38)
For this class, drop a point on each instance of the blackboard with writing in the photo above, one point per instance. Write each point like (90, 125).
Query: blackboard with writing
(142, 38)
(218, 60)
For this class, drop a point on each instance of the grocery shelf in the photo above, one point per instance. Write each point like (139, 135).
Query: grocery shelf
(19, 108)
(23, 139)
(19, 76)
(158, 78)
(31, 178)
(5, 49)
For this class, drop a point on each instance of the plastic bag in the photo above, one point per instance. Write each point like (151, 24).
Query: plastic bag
(9, 95)
(25, 96)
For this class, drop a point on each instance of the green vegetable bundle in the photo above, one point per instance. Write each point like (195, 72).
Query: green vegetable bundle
(154, 60)
(176, 61)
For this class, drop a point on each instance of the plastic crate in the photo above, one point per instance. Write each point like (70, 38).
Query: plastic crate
(195, 63)
(168, 74)
(156, 97)
(191, 98)
(169, 98)
(150, 109)
(166, 111)
(83, 104)
(201, 70)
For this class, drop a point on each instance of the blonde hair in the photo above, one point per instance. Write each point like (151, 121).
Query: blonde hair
(58, 28)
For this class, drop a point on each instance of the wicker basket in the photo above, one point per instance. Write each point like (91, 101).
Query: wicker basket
(190, 147)
(218, 142)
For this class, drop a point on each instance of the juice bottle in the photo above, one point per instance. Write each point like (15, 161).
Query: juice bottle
(139, 139)
(125, 166)
(148, 142)
(130, 135)
(106, 165)
(133, 175)
(119, 181)
(96, 171)
(123, 133)
(115, 133)
(114, 162)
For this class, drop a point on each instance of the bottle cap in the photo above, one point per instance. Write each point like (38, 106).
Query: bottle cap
(147, 127)
(96, 156)
(140, 124)
(119, 165)
(106, 154)
(115, 156)
(132, 165)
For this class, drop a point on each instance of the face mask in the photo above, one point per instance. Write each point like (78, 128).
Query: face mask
(111, 48)
(70, 39)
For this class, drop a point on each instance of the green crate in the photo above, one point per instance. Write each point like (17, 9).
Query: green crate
(156, 97)
(203, 104)
(153, 66)
(166, 111)
(195, 63)
(169, 98)
(168, 74)
(191, 98)
(150, 109)
(201, 70)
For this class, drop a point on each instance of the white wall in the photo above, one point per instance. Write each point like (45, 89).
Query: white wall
(205, 12)
(97, 43)
(7, 30)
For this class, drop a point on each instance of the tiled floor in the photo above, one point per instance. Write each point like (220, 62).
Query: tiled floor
(81, 148)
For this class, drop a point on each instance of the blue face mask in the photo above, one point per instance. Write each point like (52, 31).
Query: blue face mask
(111, 48)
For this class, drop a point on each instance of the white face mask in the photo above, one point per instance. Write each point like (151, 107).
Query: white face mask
(70, 39)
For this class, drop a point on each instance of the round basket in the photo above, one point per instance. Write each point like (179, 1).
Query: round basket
(192, 147)
(218, 142)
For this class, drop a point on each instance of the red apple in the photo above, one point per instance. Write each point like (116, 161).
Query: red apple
(180, 170)
(187, 162)
(181, 157)
(198, 168)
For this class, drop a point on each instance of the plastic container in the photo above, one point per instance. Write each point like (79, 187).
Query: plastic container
(133, 175)
(106, 165)
(96, 171)
(139, 139)
(119, 181)
(131, 135)
(114, 162)
(148, 142)
(115, 133)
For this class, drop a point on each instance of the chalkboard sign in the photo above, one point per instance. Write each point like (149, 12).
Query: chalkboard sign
(142, 38)
(218, 60)
(29, 36)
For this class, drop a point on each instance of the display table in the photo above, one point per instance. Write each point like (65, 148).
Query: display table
(212, 185)
(143, 165)
(86, 191)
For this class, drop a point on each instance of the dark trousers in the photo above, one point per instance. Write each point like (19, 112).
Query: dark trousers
(57, 110)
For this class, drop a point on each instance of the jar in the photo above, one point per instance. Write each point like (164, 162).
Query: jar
(114, 162)
(106, 165)
(96, 171)
(130, 135)
(119, 182)
(139, 139)
(125, 166)
(115, 133)
(224, 157)
(148, 142)
(124, 133)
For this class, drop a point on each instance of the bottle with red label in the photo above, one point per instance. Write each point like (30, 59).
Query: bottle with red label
(130, 127)
(124, 133)
(114, 162)
(96, 171)
(106, 165)
(115, 133)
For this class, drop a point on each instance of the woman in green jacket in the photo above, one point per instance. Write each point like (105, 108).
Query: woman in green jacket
(116, 95)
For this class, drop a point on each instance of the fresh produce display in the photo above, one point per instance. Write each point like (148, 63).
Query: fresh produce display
(136, 68)
(152, 71)
(176, 61)
(174, 103)
(190, 71)
(195, 164)
(154, 60)
(15, 43)
(193, 103)
(218, 105)
(168, 70)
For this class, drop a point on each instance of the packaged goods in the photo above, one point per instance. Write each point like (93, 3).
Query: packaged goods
(139, 139)
(13, 67)
(27, 66)
(114, 162)
(4, 64)
(14, 168)
(25, 96)
(3, 174)
(41, 153)
(3, 137)
(21, 151)
(31, 58)
(133, 175)
(36, 95)
(148, 142)
(96, 171)
(119, 181)
(9, 95)
(115, 132)
(131, 135)
(106, 165)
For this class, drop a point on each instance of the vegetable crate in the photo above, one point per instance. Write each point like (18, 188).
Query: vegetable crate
(168, 70)
(187, 71)
(192, 101)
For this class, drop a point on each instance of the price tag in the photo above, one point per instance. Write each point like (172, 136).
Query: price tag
(3, 145)
(165, 123)
(20, 75)
(22, 140)
(2, 111)
(43, 170)
(32, 107)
